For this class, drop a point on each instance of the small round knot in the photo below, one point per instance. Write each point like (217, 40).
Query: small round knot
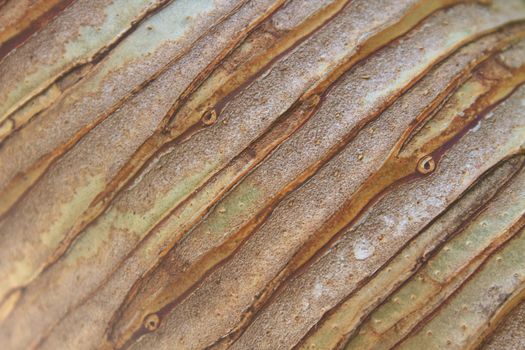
(426, 165)
(209, 117)
(151, 322)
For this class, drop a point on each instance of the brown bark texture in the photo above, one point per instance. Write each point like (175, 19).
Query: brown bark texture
(262, 174)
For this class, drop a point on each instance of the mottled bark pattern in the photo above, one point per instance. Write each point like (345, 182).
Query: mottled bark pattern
(262, 174)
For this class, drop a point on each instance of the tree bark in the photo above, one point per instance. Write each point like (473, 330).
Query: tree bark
(262, 174)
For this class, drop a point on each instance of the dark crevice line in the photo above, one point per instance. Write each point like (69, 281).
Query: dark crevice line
(486, 254)
(418, 263)
(328, 244)
(426, 256)
(483, 255)
(212, 205)
(277, 289)
(207, 72)
(165, 127)
(106, 195)
(356, 129)
(64, 147)
(447, 145)
(442, 149)
(243, 155)
(353, 63)
(406, 23)
(270, 207)
(473, 108)
(265, 212)
(183, 137)
(50, 158)
(81, 70)
(162, 312)
(483, 106)
(160, 140)
(252, 224)
(199, 127)
(455, 84)
(99, 56)
(22, 289)
(220, 106)
(33, 28)
(170, 118)
(439, 152)
(192, 87)
(313, 257)
(93, 60)
(421, 124)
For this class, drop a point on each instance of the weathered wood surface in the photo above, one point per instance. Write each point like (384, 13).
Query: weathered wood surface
(262, 174)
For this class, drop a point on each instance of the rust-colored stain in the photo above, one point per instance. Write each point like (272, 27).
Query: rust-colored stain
(262, 174)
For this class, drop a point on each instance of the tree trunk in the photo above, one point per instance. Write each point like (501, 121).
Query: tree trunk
(262, 174)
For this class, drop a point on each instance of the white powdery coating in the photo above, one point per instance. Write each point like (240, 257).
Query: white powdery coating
(363, 249)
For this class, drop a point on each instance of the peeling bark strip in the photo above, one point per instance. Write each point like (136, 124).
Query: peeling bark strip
(262, 174)
(19, 19)
(25, 74)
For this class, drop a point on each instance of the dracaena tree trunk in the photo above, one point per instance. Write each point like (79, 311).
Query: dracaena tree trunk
(262, 174)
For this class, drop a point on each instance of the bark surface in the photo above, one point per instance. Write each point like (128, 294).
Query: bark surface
(262, 174)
